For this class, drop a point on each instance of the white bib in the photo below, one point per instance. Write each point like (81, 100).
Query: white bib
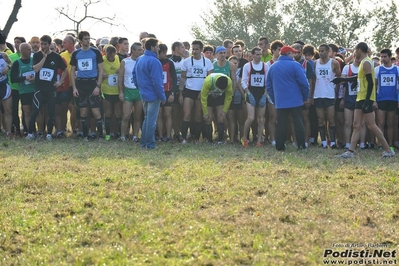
(85, 64)
(257, 80)
(388, 80)
(28, 74)
(113, 80)
(46, 74)
(198, 71)
(165, 77)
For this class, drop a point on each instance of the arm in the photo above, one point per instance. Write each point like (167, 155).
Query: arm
(244, 79)
(15, 78)
(73, 81)
(172, 70)
(228, 97)
(337, 72)
(121, 80)
(370, 83)
(8, 61)
(204, 95)
(39, 65)
(97, 89)
(313, 86)
(233, 70)
(181, 85)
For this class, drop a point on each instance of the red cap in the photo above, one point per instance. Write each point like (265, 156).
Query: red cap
(287, 49)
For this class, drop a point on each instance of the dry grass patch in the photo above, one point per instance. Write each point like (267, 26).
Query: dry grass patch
(69, 202)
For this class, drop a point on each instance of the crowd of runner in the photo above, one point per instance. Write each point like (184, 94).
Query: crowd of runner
(213, 93)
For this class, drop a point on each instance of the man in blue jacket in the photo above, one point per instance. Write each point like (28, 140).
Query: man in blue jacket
(288, 88)
(147, 75)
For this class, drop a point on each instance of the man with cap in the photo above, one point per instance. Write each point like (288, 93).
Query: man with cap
(288, 89)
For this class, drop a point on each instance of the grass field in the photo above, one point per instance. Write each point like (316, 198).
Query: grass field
(68, 202)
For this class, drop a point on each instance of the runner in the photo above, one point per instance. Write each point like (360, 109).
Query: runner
(5, 92)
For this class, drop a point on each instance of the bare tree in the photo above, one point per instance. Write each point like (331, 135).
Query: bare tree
(12, 18)
(71, 13)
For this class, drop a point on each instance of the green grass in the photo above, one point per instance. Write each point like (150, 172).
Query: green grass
(109, 203)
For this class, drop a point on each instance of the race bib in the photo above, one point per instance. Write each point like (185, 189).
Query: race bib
(85, 64)
(165, 77)
(46, 74)
(323, 73)
(113, 80)
(178, 74)
(257, 80)
(198, 71)
(388, 80)
(28, 74)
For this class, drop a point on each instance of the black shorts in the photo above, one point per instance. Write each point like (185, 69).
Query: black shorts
(167, 94)
(350, 105)
(213, 101)
(86, 97)
(191, 94)
(257, 93)
(337, 108)
(177, 94)
(359, 105)
(26, 98)
(111, 98)
(387, 105)
(63, 97)
(323, 102)
(235, 106)
(5, 91)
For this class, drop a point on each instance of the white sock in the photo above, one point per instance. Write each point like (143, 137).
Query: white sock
(324, 143)
(362, 145)
(347, 145)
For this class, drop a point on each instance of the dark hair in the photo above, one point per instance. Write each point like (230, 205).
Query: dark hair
(263, 39)
(233, 57)
(151, 35)
(176, 45)
(198, 42)
(163, 48)
(150, 42)
(57, 41)
(333, 47)
(240, 43)
(386, 51)
(46, 38)
(122, 39)
(300, 42)
(186, 45)
(362, 46)
(235, 46)
(222, 82)
(2, 38)
(316, 55)
(71, 34)
(110, 49)
(227, 42)
(255, 49)
(397, 50)
(208, 48)
(276, 44)
(82, 34)
(133, 47)
(308, 49)
(21, 39)
(325, 46)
